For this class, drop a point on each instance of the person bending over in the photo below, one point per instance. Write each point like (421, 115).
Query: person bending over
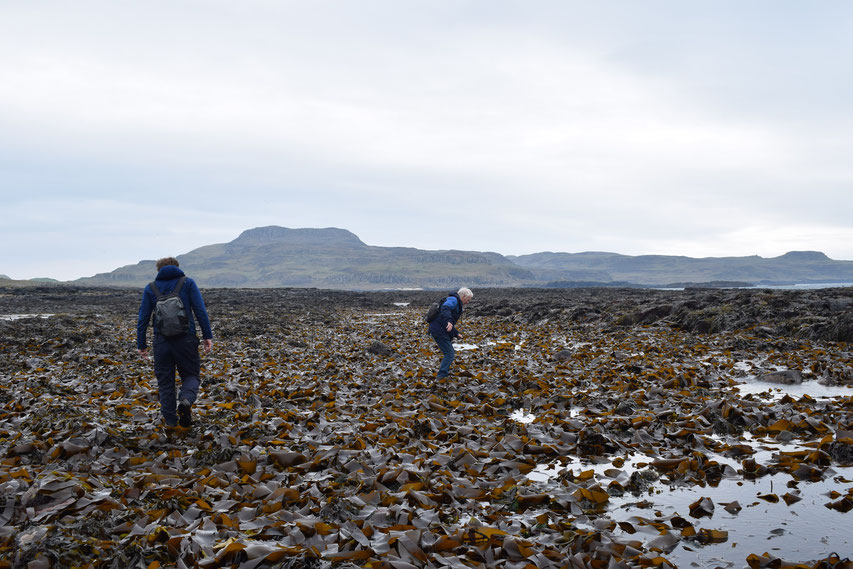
(443, 329)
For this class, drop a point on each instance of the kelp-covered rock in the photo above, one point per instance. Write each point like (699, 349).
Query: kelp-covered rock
(323, 439)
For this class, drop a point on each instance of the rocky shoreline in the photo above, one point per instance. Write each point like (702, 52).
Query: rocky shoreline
(323, 439)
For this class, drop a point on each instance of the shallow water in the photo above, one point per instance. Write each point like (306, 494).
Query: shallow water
(807, 286)
(9, 317)
(465, 346)
(805, 531)
(802, 286)
(773, 391)
(522, 417)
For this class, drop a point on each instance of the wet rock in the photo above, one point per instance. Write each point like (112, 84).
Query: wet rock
(840, 305)
(841, 452)
(646, 316)
(591, 443)
(837, 374)
(380, 349)
(34, 363)
(785, 377)
(785, 436)
(641, 480)
(840, 330)
(764, 332)
(563, 355)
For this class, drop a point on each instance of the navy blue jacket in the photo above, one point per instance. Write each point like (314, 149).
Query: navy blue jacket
(451, 310)
(167, 280)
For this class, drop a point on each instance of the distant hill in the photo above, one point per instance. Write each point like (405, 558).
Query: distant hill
(336, 258)
(661, 270)
(8, 281)
(37, 279)
(326, 258)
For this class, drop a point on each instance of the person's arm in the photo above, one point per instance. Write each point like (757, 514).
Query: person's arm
(145, 309)
(200, 311)
(446, 314)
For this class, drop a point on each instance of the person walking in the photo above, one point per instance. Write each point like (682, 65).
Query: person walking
(174, 350)
(443, 328)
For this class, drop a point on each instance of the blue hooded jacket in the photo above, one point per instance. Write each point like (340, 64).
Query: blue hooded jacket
(167, 280)
(450, 311)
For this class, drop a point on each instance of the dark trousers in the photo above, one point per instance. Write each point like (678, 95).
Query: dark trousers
(179, 354)
(445, 344)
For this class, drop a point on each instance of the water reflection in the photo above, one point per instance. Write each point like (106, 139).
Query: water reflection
(772, 391)
(9, 317)
(763, 521)
(808, 529)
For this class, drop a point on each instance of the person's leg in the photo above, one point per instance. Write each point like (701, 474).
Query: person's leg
(445, 344)
(189, 367)
(164, 370)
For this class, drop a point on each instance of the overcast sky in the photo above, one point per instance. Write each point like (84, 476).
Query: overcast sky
(138, 129)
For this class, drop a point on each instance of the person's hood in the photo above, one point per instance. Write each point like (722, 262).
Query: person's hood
(169, 272)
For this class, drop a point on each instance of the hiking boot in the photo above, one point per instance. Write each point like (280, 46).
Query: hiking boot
(184, 418)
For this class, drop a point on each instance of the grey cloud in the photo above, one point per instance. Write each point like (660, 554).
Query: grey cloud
(565, 125)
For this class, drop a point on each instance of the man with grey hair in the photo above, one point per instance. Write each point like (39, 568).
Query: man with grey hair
(443, 329)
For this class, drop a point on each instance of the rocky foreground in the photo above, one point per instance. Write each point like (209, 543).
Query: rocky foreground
(322, 439)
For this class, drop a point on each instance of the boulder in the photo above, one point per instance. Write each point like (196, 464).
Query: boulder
(784, 377)
(563, 355)
(785, 437)
(380, 349)
(841, 452)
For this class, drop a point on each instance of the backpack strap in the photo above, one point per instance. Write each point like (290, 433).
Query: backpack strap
(179, 285)
(177, 290)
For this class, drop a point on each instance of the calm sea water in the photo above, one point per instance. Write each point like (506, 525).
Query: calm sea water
(803, 286)
(806, 286)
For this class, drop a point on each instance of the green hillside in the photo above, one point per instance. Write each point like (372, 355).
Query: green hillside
(326, 258)
(334, 258)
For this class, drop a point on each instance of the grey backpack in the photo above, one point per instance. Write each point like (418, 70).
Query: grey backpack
(170, 317)
(434, 310)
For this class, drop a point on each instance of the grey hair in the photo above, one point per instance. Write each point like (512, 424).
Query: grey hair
(465, 293)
